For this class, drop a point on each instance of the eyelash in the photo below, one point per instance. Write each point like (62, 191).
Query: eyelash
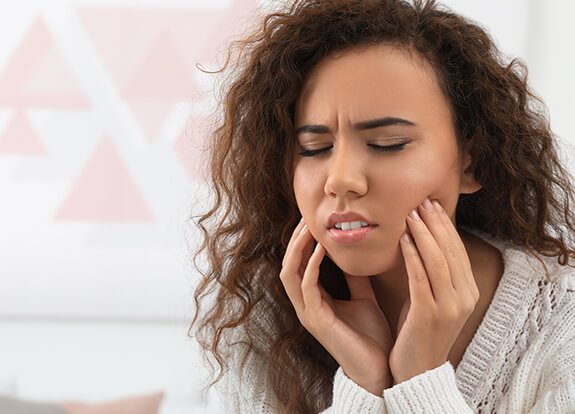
(388, 148)
(311, 153)
(382, 148)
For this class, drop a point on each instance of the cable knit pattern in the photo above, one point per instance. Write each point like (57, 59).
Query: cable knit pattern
(521, 359)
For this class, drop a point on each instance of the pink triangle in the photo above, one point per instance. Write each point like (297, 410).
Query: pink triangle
(230, 26)
(161, 74)
(20, 138)
(105, 191)
(120, 35)
(191, 148)
(123, 36)
(38, 75)
(52, 84)
(151, 115)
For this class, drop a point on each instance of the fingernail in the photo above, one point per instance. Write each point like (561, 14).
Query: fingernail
(427, 204)
(437, 206)
(303, 229)
(413, 215)
(405, 238)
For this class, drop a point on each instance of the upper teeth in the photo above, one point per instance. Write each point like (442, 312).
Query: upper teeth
(350, 225)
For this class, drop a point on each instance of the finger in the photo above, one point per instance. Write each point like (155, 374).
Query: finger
(296, 248)
(310, 287)
(433, 259)
(360, 287)
(419, 286)
(458, 244)
(449, 242)
(300, 226)
(307, 251)
(291, 274)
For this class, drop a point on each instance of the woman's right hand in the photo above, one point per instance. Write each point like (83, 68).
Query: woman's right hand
(355, 332)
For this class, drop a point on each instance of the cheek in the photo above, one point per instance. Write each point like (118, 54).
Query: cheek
(306, 185)
(441, 182)
(436, 177)
(299, 188)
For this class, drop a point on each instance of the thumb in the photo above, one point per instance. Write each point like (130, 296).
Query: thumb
(403, 315)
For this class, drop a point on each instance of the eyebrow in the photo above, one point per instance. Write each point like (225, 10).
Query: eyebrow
(370, 124)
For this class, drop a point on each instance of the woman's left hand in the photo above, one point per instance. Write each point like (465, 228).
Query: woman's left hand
(442, 293)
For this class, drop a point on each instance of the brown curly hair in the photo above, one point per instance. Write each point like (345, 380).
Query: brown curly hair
(525, 197)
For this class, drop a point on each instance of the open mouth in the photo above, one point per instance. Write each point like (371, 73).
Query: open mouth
(350, 225)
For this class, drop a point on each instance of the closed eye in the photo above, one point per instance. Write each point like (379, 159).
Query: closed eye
(388, 148)
(311, 153)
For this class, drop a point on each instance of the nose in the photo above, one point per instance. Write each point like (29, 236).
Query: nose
(346, 175)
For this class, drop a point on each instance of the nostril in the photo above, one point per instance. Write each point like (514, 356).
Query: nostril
(341, 186)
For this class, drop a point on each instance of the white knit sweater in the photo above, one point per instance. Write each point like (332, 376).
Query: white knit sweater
(521, 359)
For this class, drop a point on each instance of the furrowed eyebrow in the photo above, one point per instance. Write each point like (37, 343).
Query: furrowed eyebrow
(382, 122)
(312, 129)
(370, 124)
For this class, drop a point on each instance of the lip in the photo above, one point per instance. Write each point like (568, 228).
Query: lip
(336, 217)
(348, 236)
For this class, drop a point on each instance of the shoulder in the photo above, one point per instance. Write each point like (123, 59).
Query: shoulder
(554, 282)
(526, 268)
(536, 292)
(545, 287)
(256, 333)
(245, 385)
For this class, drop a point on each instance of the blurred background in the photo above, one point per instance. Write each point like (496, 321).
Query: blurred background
(102, 128)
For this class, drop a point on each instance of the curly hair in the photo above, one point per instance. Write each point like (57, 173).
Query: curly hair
(525, 197)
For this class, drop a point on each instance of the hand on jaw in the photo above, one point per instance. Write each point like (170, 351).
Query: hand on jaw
(354, 332)
(442, 292)
(442, 295)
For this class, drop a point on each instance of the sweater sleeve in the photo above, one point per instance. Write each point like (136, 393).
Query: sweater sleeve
(434, 391)
(431, 392)
(348, 397)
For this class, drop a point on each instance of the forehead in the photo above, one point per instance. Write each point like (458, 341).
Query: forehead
(370, 82)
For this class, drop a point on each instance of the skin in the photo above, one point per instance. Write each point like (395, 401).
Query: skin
(412, 285)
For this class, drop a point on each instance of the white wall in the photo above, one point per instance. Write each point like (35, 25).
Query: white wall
(541, 33)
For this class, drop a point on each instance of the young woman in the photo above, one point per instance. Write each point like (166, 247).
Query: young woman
(391, 230)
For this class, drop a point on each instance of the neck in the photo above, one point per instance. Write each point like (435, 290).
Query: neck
(392, 292)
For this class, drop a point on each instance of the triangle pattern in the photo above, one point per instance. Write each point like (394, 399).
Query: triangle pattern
(161, 75)
(150, 115)
(124, 37)
(20, 138)
(120, 35)
(105, 191)
(52, 84)
(38, 75)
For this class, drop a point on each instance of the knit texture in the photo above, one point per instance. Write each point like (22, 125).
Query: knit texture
(353, 398)
(520, 360)
(435, 391)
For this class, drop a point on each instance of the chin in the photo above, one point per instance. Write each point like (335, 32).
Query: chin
(370, 265)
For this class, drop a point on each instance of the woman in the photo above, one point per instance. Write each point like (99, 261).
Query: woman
(391, 229)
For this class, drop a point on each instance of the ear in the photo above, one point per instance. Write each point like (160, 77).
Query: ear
(468, 184)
